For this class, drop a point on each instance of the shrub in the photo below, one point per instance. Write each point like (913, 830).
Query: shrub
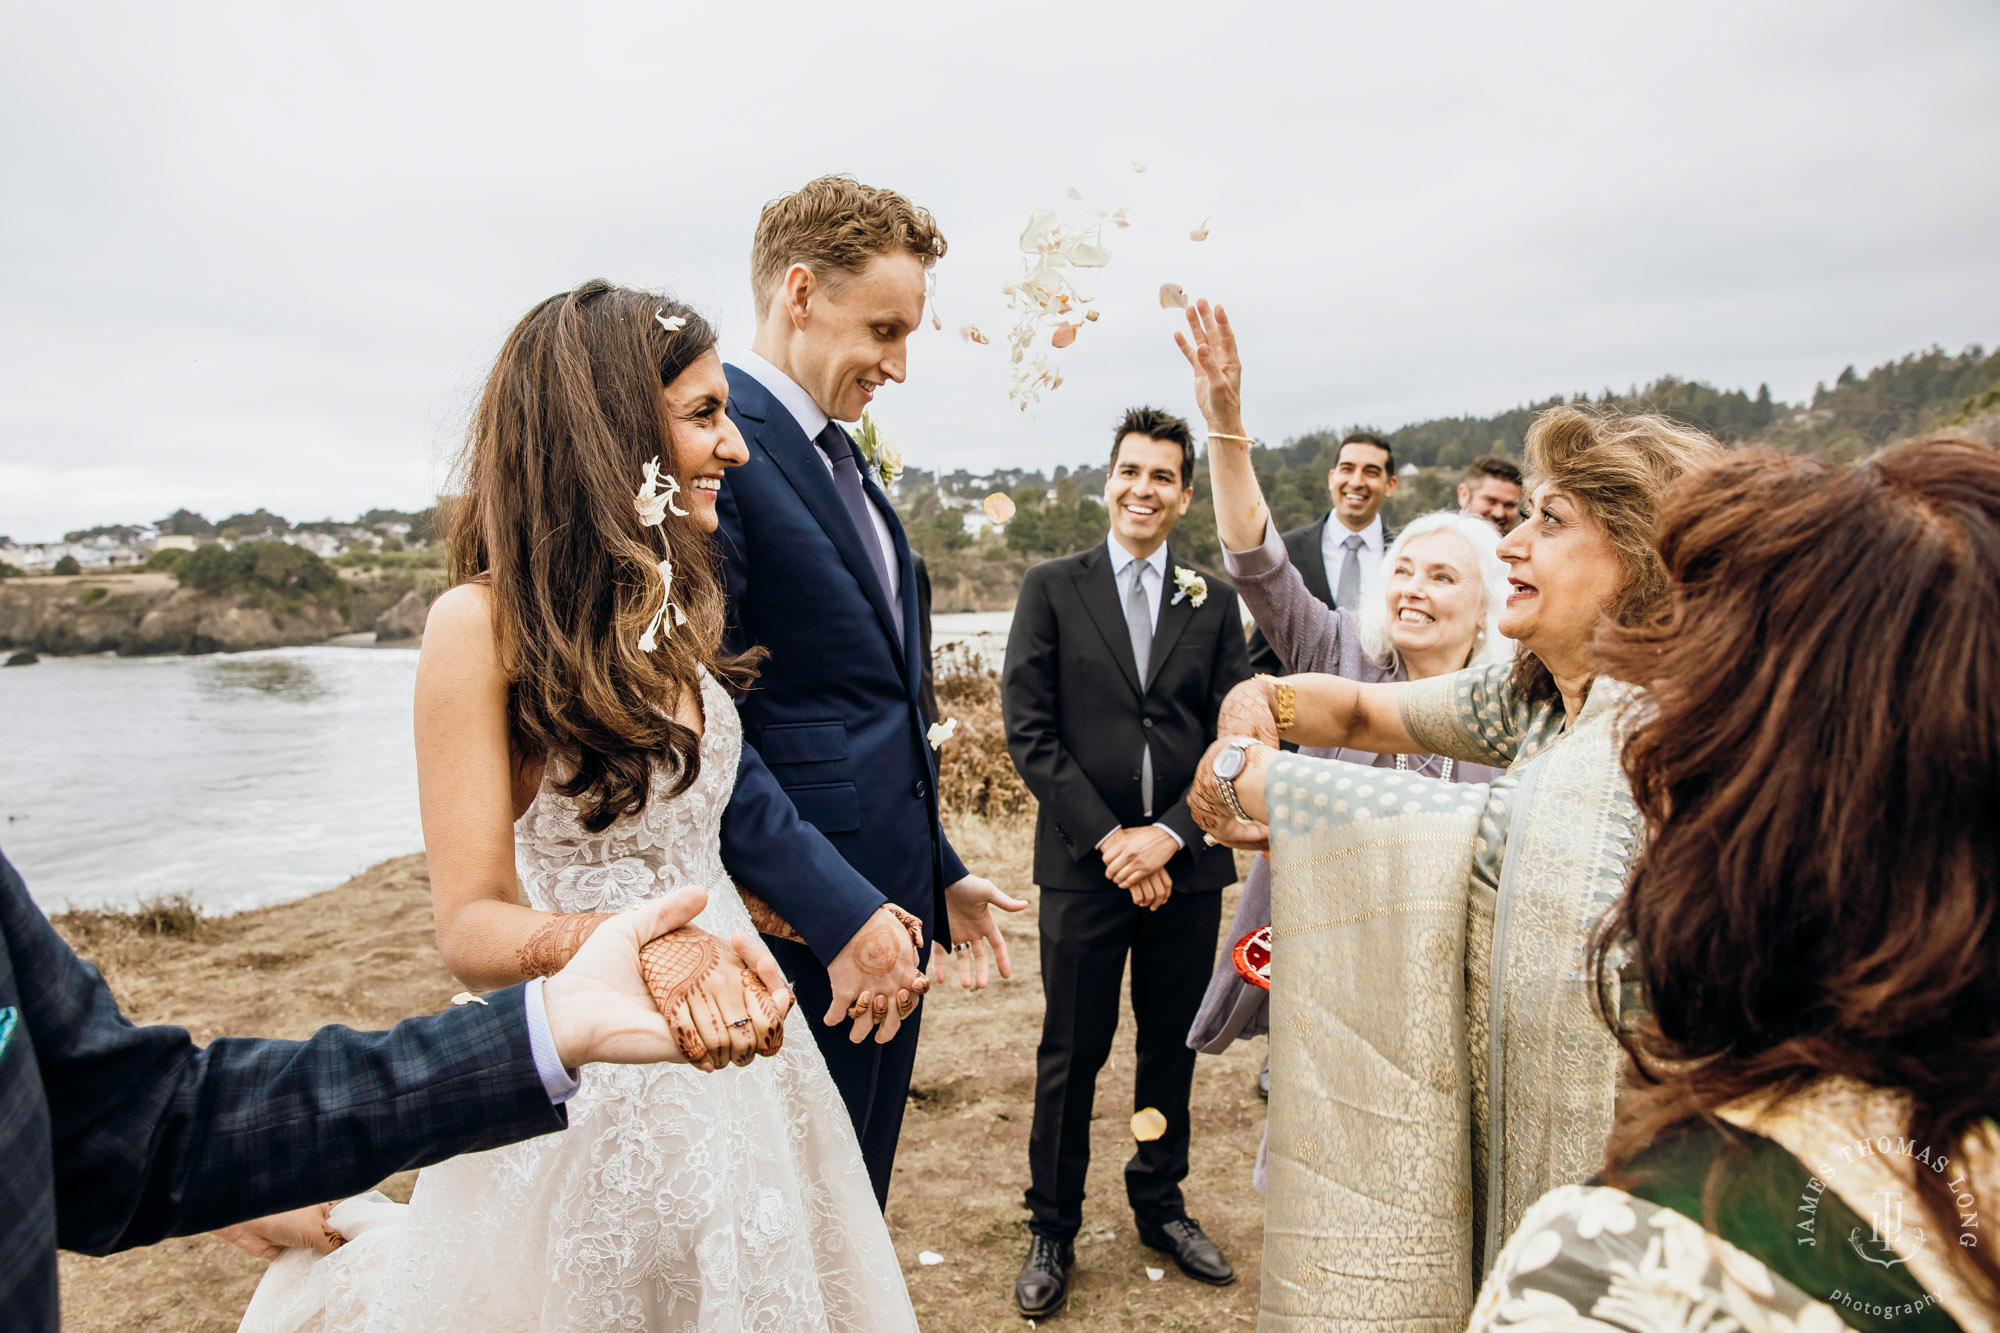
(67, 565)
(263, 571)
(8, 571)
(92, 596)
(975, 775)
(168, 560)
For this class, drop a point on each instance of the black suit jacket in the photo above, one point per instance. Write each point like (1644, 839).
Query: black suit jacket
(1308, 554)
(113, 1136)
(1078, 716)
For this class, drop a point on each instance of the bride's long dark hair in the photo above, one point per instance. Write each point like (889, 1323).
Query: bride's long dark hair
(543, 513)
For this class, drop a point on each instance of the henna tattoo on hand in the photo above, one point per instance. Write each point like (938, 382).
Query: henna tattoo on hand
(557, 942)
(675, 963)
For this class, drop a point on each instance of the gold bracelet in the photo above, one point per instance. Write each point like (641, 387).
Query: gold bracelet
(1225, 435)
(1284, 702)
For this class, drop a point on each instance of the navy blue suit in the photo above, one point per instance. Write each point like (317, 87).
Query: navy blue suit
(114, 1136)
(835, 758)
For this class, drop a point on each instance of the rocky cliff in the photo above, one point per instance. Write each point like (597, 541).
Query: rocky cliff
(141, 614)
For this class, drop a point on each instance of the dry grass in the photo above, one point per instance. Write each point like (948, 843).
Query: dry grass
(363, 954)
(975, 776)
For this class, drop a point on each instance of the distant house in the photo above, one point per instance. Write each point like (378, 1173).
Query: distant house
(172, 541)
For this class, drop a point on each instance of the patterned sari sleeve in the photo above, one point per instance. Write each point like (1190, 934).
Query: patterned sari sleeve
(1468, 715)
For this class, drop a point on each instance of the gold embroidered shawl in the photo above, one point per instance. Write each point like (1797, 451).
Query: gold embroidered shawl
(1369, 1220)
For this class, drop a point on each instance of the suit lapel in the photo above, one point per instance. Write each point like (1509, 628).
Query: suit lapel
(1312, 565)
(800, 463)
(1174, 618)
(906, 578)
(1098, 588)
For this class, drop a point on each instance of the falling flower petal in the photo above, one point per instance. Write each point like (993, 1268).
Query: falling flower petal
(656, 495)
(1076, 194)
(941, 732)
(1148, 1125)
(1090, 316)
(999, 507)
(1139, 167)
(929, 1258)
(1064, 335)
(1155, 1274)
(467, 997)
(971, 333)
(671, 323)
(1200, 233)
(1172, 297)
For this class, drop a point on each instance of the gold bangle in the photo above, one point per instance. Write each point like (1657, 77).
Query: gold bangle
(1224, 435)
(1284, 702)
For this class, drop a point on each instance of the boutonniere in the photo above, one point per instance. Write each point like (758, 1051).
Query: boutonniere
(881, 453)
(1191, 585)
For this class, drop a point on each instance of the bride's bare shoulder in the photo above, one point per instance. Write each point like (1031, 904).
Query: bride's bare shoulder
(458, 631)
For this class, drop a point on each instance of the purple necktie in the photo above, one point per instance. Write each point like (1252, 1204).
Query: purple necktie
(833, 442)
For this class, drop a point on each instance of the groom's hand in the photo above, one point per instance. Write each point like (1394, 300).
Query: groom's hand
(598, 1006)
(975, 931)
(875, 977)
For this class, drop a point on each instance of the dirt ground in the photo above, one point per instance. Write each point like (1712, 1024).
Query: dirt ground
(363, 954)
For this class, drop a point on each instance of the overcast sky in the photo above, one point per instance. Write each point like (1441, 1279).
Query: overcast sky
(262, 254)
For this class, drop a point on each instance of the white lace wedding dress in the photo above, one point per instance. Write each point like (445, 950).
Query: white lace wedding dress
(676, 1200)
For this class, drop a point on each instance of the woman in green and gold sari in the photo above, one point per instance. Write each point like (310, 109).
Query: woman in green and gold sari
(1436, 1059)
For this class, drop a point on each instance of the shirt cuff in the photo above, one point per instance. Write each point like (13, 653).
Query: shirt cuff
(1107, 837)
(561, 1084)
(1171, 834)
(1269, 555)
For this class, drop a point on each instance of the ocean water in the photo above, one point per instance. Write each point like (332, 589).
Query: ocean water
(240, 779)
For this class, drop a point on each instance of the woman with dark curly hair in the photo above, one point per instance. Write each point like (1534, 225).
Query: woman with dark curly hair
(1809, 1142)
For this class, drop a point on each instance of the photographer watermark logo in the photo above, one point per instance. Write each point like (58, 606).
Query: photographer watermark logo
(1872, 1176)
(1887, 1242)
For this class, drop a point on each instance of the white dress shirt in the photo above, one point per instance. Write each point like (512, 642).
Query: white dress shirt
(1332, 534)
(1155, 584)
(812, 421)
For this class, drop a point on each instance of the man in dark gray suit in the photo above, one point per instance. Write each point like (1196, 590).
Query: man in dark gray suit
(1340, 553)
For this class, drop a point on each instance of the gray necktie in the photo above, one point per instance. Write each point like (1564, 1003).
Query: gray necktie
(1347, 596)
(1139, 622)
(839, 450)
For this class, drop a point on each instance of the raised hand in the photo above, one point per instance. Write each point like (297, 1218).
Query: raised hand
(1246, 711)
(975, 931)
(1210, 348)
(875, 977)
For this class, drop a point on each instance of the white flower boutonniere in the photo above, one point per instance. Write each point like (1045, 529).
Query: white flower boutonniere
(1191, 586)
(881, 453)
(940, 732)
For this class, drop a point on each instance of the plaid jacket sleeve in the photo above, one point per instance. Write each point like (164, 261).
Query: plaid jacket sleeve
(151, 1136)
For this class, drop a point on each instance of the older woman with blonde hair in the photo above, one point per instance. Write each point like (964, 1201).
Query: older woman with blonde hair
(1438, 1061)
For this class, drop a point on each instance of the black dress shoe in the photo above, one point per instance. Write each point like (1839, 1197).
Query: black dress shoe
(1192, 1252)
(1044, 1282)
(1264, 1080)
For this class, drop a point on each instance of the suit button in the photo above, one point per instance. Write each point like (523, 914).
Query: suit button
(1148, 723)
(920, 789)
(1135, 775)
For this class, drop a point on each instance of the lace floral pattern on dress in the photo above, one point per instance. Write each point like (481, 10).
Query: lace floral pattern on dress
(731, 1202)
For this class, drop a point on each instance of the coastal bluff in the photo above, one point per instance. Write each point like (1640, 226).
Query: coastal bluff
(146, 613)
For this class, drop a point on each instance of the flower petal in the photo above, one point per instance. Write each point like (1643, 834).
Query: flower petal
(671, 323)
(971, 333)
(1172, 297)
(999, 507)
(1139, 168)
(1063, 336)
(1200, 233)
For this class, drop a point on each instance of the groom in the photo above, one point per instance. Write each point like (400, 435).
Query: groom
(819, 573)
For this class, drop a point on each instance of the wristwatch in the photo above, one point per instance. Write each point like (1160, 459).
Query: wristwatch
(1229, 766)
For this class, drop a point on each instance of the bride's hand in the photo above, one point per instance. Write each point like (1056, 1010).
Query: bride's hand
(1210, 348)
(724, 1002)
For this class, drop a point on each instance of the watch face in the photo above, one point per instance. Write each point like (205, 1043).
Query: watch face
(1229, 763)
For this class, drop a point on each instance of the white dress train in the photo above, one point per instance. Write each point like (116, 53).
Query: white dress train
(731, 1202)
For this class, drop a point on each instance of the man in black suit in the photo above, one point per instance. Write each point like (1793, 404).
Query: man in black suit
(113, 1136)
(1117, 664)
(1340, 553)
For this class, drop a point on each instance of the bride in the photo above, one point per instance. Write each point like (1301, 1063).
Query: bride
(576, 736)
